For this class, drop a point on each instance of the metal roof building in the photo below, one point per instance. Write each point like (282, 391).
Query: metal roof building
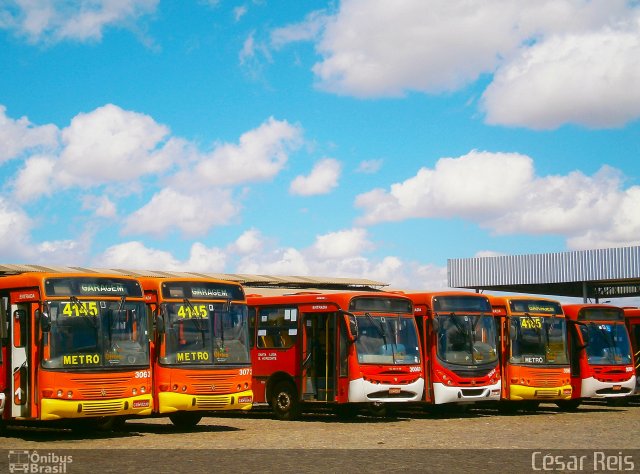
(590, 274)
(252, 281)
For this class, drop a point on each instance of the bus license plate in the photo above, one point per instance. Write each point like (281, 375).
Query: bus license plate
(394, 390)
(617, 387)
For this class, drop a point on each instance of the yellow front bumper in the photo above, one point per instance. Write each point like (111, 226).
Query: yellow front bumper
(522, 392)
(170, 402)
(56, 409)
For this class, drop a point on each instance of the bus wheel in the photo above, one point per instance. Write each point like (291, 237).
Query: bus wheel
(185, 419)
(285, 402)
(568, 405)
(346, 411)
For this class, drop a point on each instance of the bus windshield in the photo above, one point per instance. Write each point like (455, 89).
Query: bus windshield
(387, 339)
(205, 334)
(607, 343)
(538, 340)
(466, 339)
(96, 333)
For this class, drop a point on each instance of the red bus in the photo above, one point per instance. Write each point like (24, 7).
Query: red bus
(533, 350)
(201, 357)
(632, 320)
(458, 334)
(601, 359)
(342, 349)
(74, 346)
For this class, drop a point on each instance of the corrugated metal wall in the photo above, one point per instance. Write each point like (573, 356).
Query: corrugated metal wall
(579, 266)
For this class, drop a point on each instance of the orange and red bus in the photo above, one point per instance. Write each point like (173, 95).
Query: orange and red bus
(632, 320)
(347, 349)
(458, 334)
(600, 352)
(201, 357)
(533, 350)
(74, 346)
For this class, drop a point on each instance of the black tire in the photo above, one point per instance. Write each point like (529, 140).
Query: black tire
(346, 411)
(284, 401)
(185, 419)
(569, 405)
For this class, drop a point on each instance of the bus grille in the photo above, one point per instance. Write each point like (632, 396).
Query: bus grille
(386, 394)
(203, 389)
(547, 393)
(101, 408)
(208, 404)
(96, 388)
(546, 379)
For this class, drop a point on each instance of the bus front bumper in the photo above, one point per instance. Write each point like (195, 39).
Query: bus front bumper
(593, 388)
(57, 409)
(361, 390)
(171, 402)
(446, 394)
(523, 392)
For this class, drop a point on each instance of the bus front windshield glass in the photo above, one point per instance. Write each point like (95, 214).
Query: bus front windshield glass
(205, 334)
(607, 343)
(538, 340)
(96, 333)
(466, 339)
(387, 340)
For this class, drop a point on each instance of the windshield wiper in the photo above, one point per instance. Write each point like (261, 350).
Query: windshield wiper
(197, 319)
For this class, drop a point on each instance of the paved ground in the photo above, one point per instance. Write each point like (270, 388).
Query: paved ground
(594, 427)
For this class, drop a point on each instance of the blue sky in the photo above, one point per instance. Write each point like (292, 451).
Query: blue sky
(347, 138)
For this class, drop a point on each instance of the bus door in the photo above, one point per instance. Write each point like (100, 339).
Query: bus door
(424, 325)
(20, 363)
(3, 354)
(318, 357)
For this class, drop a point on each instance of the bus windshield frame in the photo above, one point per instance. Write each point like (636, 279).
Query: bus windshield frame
(466, 339)
(538, 340)
(205, 334)
(96, 333)
(388, 339)
(607, 343)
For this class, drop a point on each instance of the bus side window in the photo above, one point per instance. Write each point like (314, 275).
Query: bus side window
(252, 328)
(277, 327)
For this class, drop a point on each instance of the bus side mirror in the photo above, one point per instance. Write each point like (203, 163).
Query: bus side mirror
(513, 330)
(352, 326)
(45, 321)
(435, 324)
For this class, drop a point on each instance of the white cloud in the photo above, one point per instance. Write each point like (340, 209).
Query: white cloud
(206, 259)
(369, 166)
(192, 214)
(20, 136)
(35, 178)
(260, 154)
(500, 191)
(101, 205)
(134, 255)
(249, 242)
(307, 30)
(479, 183)
(111, 145)
(248, 49)
(50, 20)
(341, 244)
(239, 12)
(15, 228)
(589, 79)
(322, 179)
(582, 57)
